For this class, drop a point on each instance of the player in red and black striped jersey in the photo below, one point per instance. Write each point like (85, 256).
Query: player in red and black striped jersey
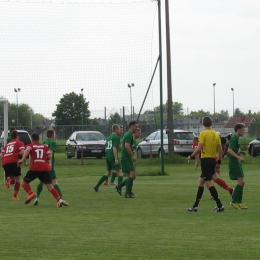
(9, 156)
(40, 166)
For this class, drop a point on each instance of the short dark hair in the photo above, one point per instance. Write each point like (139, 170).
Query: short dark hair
(207, 121)
(11, 129)
(238, 127)
(50, 133)
(14, 134)
(35, 137)
(132, 123)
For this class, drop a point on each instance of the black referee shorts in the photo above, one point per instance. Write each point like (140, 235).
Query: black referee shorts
(207, 168)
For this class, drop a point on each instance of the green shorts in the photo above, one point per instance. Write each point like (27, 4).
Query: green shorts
(235, 173)
(128, 166)
(53, 174)
(112, 166)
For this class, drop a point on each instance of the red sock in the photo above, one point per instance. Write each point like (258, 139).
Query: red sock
(55, 194)
(223, 184)
(27, 188)
(16, 188)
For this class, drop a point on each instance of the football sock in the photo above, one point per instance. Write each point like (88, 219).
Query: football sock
(123, 183)
(113, 177)
(223, 184)
(214, 194)
(27, 188)
(16, 188)
(120, 179)
(236, 194)
(240, 193)
(57, 187)
(199, 195)
(55, 194)
(102, 179)
(129, 185)
(39, 189)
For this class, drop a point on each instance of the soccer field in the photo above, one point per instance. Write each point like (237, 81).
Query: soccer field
(154, 225)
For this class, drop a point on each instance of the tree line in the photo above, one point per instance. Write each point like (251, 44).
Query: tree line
(73, 109)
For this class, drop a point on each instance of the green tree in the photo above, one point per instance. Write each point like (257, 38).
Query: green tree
(223, 115)
(72, 110)
(26, 116)
(115, 119)
(238, 113)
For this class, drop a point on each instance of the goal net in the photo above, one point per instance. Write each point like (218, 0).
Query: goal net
(51, 49)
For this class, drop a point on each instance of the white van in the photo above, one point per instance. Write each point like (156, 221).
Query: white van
(23, 136)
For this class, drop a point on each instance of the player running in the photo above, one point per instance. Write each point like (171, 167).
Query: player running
(53, 148)
(40, 166)
(9, 156)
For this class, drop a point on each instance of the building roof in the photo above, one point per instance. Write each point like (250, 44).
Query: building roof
(240, 119)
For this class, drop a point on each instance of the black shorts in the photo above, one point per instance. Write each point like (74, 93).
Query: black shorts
(44, 177)
(11, 169)
(207, 168)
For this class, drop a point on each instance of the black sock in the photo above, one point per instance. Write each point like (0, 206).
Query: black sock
(199, 195)
(214, 194)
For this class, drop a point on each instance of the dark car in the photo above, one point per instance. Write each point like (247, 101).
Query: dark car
(91, 143)
(254, 147)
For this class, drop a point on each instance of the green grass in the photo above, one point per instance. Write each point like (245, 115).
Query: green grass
(154, 225)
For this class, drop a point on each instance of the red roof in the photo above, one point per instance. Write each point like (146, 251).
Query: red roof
(241, 119)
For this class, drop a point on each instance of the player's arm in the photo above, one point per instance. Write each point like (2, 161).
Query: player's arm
(232, 153)
(25, 154)
(220, 152)
(196, 151)
(115, 155)
(129, 150)
(197, 160)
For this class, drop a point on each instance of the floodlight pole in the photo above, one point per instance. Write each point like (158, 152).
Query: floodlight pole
(82, 112)
(131, 86)
(214, 84)
(233, 101)
(16, 91)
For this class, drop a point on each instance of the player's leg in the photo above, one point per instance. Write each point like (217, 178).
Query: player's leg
(38, 192)
(113, 177)
(30, 176)
(129, 185)
(46, 179)
(16, 187)
(109, 165)
(200, 191)
(222, 183)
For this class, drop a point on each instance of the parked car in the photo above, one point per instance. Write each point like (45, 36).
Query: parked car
(151, 145)
(22, 135)
(91, 142)
(254, 147)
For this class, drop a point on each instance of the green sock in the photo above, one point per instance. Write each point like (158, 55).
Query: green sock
(129, 185)
(113, 177)
(240, 194)
(123, 183)
(237, 194)
(39, 189)
(56, 186)
(120, 179)
(102, 179)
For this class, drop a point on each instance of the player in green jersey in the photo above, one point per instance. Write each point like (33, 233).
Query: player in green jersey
(235, 167)
(53, 148)
(128, 160)
(136, 135)
(112, 160)
(114, 172)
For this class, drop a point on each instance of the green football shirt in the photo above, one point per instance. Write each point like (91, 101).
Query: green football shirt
(234, 144)
(112, 141)
(52, 146)
(128, 138)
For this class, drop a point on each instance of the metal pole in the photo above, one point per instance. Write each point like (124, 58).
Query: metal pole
(161, 90)
(214, 84)
(233, 101)
(169, 80)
